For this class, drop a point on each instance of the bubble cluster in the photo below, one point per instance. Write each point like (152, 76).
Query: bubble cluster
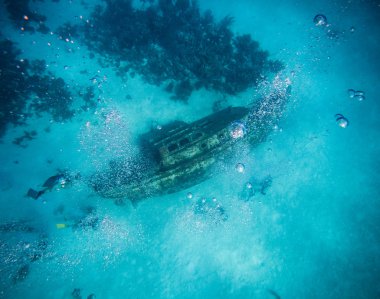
(359, 95)
(341, 121)
(356, 94)
(211, 208)
(237, 130)
(111, 140)
(320, 20)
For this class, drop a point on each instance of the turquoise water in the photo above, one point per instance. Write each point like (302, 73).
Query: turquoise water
(312, 233)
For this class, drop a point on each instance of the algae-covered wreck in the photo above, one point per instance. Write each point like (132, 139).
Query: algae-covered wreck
(181, 154)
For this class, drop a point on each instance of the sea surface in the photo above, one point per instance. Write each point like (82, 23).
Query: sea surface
(76, 94)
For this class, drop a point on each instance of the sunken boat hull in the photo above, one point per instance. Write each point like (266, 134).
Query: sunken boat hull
(181, 155)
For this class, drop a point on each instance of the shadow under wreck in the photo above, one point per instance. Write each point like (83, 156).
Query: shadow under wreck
(182, 155)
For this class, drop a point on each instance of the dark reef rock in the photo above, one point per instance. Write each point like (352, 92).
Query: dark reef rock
(172, 42)
(13, 86)
(38, 66)
(20, 141)
(22, 17)
(20, 80)
(182, 90)
(51, 96)
(88, 98)
(67, 31)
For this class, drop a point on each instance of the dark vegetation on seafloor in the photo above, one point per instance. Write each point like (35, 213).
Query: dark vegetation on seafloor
(21, 81)
(172, 43)
(169, 43)
(22, 17)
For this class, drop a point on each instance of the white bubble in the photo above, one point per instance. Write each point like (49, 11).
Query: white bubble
(240, 167)
(320, 20)
(359, 97)
(341, 120)
(62, 182)
(351, 93)
(189, 195)
(237, 130)
(343, 123)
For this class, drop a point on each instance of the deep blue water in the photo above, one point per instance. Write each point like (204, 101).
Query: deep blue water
(74, 97)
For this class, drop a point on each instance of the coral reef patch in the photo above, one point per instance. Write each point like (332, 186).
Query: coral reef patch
(27, 88)
(24, 18)
(174, 44)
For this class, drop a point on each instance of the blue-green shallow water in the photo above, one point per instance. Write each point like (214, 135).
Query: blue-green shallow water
(315, 232)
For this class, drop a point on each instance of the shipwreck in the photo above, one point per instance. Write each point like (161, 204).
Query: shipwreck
(181, 155)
